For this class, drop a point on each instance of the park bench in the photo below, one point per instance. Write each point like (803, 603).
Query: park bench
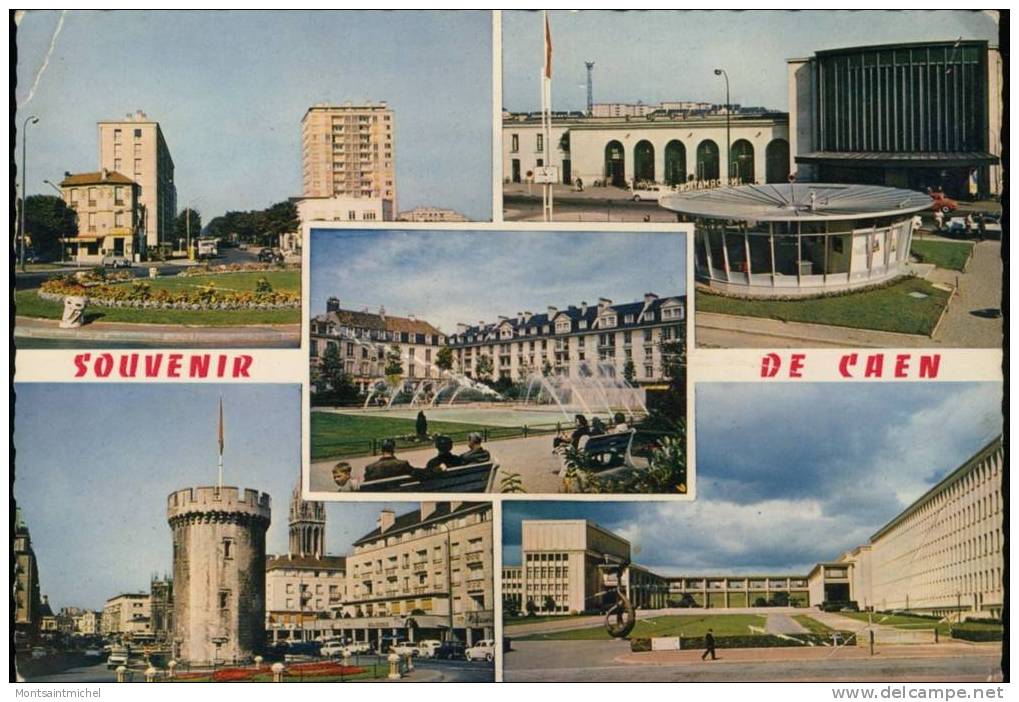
(476, 477)
(609, 452)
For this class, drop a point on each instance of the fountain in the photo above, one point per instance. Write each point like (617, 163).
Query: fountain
(588, 388)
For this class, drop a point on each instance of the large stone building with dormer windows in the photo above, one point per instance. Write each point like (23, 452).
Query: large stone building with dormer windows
(561, 341)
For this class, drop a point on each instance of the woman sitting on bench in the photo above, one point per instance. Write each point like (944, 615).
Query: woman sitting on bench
(574, 439)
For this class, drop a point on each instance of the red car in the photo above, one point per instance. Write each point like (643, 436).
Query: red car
(942, 202)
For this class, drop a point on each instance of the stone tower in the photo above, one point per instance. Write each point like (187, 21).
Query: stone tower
(307, 526)
(218, 572)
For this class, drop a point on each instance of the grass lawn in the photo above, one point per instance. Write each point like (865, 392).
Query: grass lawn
(29, 304)
(243, 281)
(905, 621)
(943, 254)
(812, 625)
(344, 435)
(884, 309)
(518, 621)
(669, 625)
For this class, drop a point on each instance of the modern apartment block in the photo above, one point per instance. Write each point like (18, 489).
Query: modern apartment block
(347, 151)
(136, 148)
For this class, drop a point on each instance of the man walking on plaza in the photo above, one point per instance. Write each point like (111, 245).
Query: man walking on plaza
(709, 646)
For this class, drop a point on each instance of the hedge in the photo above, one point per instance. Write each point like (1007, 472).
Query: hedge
(976, 634)
(140, 294)
(689, 643)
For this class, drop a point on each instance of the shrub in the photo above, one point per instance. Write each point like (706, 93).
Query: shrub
(967, 634)
(263, 286)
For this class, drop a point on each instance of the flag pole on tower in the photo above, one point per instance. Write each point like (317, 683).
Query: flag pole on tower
(220, 483)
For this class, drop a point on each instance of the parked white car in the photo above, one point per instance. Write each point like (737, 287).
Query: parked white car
(356, 648)
(427, 648)
(648, 193)
(332, 649)
(405, 648)
(483, 650)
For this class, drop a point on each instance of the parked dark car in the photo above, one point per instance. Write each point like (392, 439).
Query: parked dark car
(450, 651)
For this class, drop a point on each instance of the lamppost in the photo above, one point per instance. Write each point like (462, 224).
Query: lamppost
(31, 119)
(728, 111)
(449, 579)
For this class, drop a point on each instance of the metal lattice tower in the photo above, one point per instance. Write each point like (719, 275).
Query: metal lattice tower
(590, 88)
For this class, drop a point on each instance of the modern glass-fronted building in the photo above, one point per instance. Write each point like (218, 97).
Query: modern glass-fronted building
(799, 239)
(908, 115)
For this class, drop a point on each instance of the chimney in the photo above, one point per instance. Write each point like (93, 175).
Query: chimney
(527, 316)
(387, 518)
(503, 318)
(105, 173)
(333, 304)
(412, 318)
(551, 312)
(461, 328)
(603, 303)
(382, 312)
(583, 307)
(427, 510)
(649, 298)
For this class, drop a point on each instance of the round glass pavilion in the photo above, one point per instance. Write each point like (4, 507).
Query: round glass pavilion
(799, 239)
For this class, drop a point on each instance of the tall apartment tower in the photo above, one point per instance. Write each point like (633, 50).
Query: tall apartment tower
(135, 147)
(347, 151)
(218, 572)
(307, 526)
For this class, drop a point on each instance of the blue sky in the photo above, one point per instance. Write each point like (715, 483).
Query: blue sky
(466, 276)
(670, 55)
(789, 475)
(95, 463)
(230, 88)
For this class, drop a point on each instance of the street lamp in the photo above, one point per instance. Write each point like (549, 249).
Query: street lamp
(449, 578)
(728, 111)
(31, 119)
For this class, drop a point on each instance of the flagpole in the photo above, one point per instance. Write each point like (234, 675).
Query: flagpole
(546, 115)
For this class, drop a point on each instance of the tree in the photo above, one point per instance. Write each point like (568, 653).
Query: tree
(394, 364)
(444, 358)
(188, 228)
(532, 608)
(546, 368)
(47, 219)
(331, 380)
(510, 607)
(629, 371)
(484, 367)
(549, 603)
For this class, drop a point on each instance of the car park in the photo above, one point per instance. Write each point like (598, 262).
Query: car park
(483, 650)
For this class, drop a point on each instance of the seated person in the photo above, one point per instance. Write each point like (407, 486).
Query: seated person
(342, 477)
(388, 465)
(445, 458)
(597, 427)
(574, 439)
(475, 452)
(619, 425)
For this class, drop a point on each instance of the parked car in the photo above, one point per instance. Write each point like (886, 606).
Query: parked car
(93, 652)
(428, 647)
(405, 648)
(355, 648)
(300, 651)
(483, 650)
(115, 261)
(332, 649)
(450, 650)
(268, 256)
(648, 193)
(119, 656)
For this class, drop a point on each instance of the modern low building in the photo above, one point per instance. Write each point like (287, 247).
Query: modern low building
(348, 151)
(663, 147)
(720, 591)
(799, 239)
(610, 336)
(135, 147)
(917, 115)
(110, 216)
(128, 613)
(346, 208)
(364, 340)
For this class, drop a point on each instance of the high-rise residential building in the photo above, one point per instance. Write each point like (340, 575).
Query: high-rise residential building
(347, 151)
(135, 147)
(27, 599)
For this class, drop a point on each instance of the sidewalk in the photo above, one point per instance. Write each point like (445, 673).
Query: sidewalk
(714, 330)
(48, 330)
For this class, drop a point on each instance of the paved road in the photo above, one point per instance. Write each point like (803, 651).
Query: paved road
(88, 674)
(779, 623)
(611, 661)
(973, 319)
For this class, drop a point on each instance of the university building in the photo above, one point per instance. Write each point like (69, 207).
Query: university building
(110, 216)
(136, 148)
(348, 152)
(664, 146)
(363, 339)
(942, 555)
(917, 115)
(562, 339)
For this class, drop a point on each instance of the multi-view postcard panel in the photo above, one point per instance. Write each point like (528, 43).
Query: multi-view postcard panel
(853, 523)
(458, 361)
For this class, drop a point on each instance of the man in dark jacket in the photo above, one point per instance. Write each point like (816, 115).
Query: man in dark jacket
(388, 465)
(445, 458)
(475, 453)
(709, 646)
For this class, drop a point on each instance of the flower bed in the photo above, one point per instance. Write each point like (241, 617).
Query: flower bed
(141, 295)
(297, 670)
(237, 268)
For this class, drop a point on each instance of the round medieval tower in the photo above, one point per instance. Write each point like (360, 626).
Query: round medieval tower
(218, 572)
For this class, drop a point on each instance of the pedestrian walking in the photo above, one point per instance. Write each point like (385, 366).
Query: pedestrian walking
(939, 219)
(709, 646)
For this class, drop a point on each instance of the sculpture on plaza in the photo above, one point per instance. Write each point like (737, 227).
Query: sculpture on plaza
(74, 312)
